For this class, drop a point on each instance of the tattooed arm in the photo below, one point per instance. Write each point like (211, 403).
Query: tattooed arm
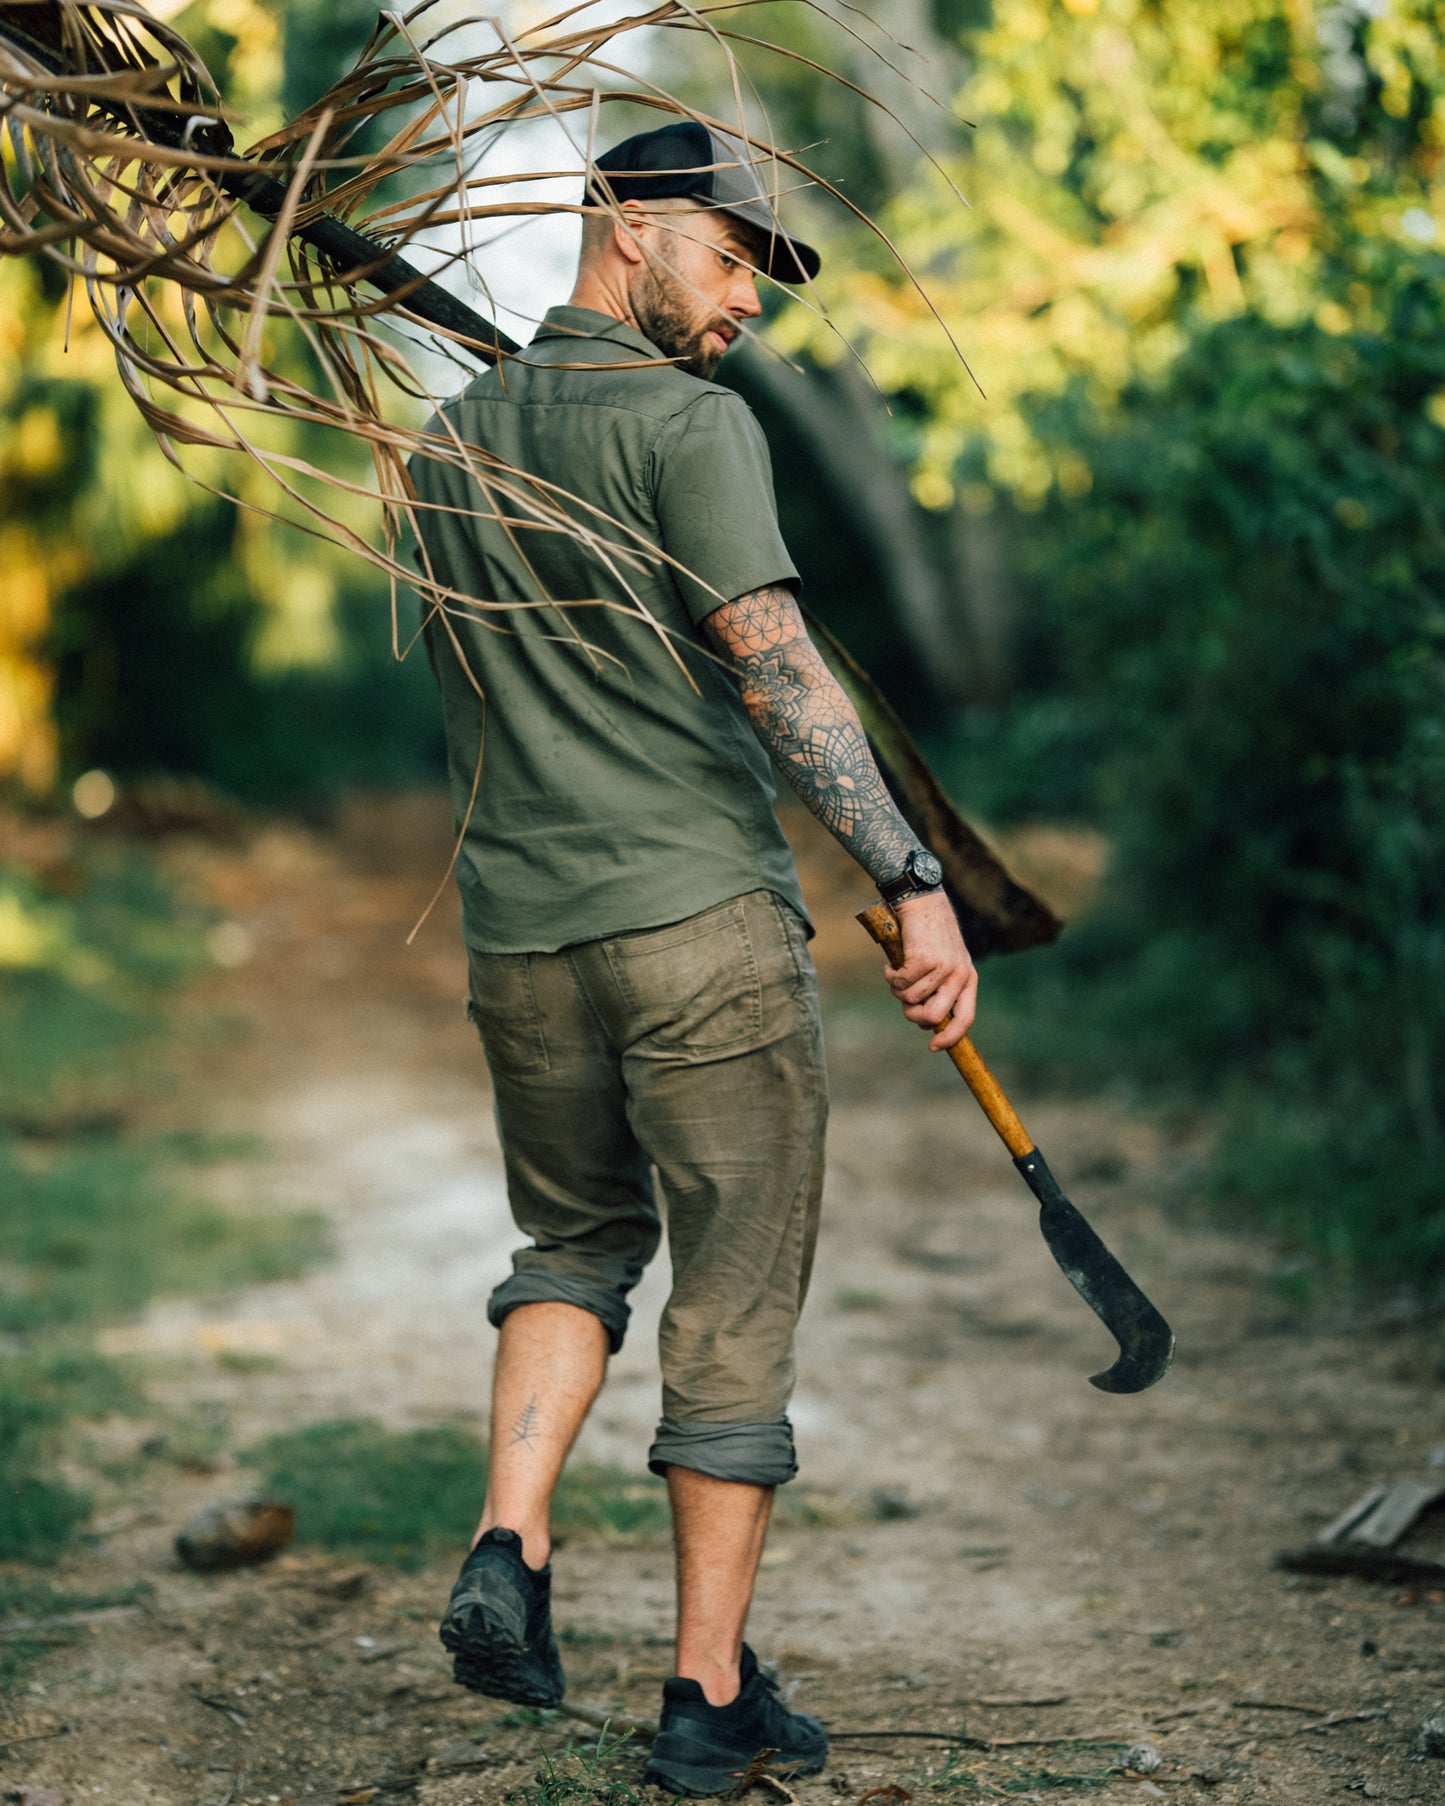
(809, 726)
(816, 740)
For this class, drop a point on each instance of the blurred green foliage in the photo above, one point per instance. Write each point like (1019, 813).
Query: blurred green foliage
(406, 1497)
(1201, 285)
(101, 1229)
(87, 942)
(146, 625)
(40, 1390)
(264, 728)
(1249, 610)
(96, 1221)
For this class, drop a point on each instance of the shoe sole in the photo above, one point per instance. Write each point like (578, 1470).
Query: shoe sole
(490, 1656)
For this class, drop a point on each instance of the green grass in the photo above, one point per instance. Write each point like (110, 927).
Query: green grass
(24, 1597)
(98, 1228)
(406, 1497)
(581, 1777)
(955, 1774)
(96, 1223)
(87, 944)
(40, 1391)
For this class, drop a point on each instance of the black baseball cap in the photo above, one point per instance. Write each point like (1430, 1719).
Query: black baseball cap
(698, 161)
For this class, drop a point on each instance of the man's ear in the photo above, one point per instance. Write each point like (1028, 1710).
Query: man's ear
(625, 233)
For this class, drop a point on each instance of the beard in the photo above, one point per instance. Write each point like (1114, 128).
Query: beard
(667, 312)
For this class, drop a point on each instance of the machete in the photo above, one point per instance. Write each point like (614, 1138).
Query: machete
(1146, 1342)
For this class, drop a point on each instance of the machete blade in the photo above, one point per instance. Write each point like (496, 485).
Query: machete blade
(1146, 1342)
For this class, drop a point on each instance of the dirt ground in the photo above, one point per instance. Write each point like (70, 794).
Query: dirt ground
(1003, 1548)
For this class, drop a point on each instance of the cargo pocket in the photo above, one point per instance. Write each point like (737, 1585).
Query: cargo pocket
(691, 988)
(503, 1005)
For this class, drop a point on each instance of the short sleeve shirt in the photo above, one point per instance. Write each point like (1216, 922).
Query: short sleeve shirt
(602, 766)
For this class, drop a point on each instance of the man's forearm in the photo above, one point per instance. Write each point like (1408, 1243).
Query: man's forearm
(809, 726)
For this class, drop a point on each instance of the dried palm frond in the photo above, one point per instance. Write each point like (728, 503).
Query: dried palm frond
(254, 300)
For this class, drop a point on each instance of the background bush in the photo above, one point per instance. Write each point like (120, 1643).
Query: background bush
(1250, 609)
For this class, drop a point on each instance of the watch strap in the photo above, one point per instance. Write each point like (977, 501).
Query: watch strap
(906, 884)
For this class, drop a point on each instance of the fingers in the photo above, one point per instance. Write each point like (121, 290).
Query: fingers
(947, 996)
(936, 985)
(929, 1011)
(917, 979)
(914, 989)
(960, 1017)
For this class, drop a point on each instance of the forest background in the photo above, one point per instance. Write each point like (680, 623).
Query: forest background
(1178, 575)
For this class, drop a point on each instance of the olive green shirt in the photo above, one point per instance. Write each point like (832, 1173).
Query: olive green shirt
(613, 794)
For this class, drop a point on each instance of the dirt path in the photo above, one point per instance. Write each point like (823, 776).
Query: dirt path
(1000, 1546)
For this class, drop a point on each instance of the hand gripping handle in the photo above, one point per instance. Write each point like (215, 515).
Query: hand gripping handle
(883, 925)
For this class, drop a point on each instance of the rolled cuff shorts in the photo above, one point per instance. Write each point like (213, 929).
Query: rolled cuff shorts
(695, 1049)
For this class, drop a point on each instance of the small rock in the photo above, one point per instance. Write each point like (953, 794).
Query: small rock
(343, 1583)
(235, 1532)
(909, 1679)
(35, 1796)
(1142, 1759)
(889, 1504)
(464, 1754)
(1431, 1740)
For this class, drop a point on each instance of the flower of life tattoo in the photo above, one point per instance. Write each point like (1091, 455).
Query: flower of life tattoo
(809, 727)
(524, 1430)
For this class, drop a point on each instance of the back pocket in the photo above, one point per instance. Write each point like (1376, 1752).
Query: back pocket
(504, 1007)
(692, 987)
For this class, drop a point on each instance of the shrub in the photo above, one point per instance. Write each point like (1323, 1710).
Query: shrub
(1251, 593)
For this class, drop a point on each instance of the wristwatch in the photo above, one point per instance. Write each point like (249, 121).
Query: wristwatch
(921, 873)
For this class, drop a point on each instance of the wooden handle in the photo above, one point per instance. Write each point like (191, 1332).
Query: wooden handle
(883, 925)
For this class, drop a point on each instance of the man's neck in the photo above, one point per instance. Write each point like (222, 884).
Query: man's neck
(603, 295)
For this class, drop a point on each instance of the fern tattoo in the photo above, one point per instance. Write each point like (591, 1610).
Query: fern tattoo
(524, 1430)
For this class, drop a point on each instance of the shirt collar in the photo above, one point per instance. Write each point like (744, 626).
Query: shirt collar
(585, 322)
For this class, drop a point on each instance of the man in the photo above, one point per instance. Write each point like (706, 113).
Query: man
(636, 935)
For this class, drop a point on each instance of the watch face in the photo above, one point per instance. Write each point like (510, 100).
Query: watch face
(926, 868)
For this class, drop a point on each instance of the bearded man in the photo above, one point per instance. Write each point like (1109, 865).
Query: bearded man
(636, 936)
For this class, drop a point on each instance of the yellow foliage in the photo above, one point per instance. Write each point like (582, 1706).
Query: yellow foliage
(24, 938)
(1130, 171)
(36, 449)
(35, 938)
(85, 486)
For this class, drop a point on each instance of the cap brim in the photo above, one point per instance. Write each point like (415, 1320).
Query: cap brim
(783, 258)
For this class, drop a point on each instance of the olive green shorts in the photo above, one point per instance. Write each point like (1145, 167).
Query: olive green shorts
(695, 1049)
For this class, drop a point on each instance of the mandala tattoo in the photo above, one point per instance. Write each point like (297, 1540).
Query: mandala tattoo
(809, 726)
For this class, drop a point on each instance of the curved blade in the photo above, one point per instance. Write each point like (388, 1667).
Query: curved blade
(1146, 1342)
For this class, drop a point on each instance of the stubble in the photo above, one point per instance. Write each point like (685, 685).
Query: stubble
(666, 311)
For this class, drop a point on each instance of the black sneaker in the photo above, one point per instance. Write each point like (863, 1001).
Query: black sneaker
(498, 1625)
(702, 1749)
